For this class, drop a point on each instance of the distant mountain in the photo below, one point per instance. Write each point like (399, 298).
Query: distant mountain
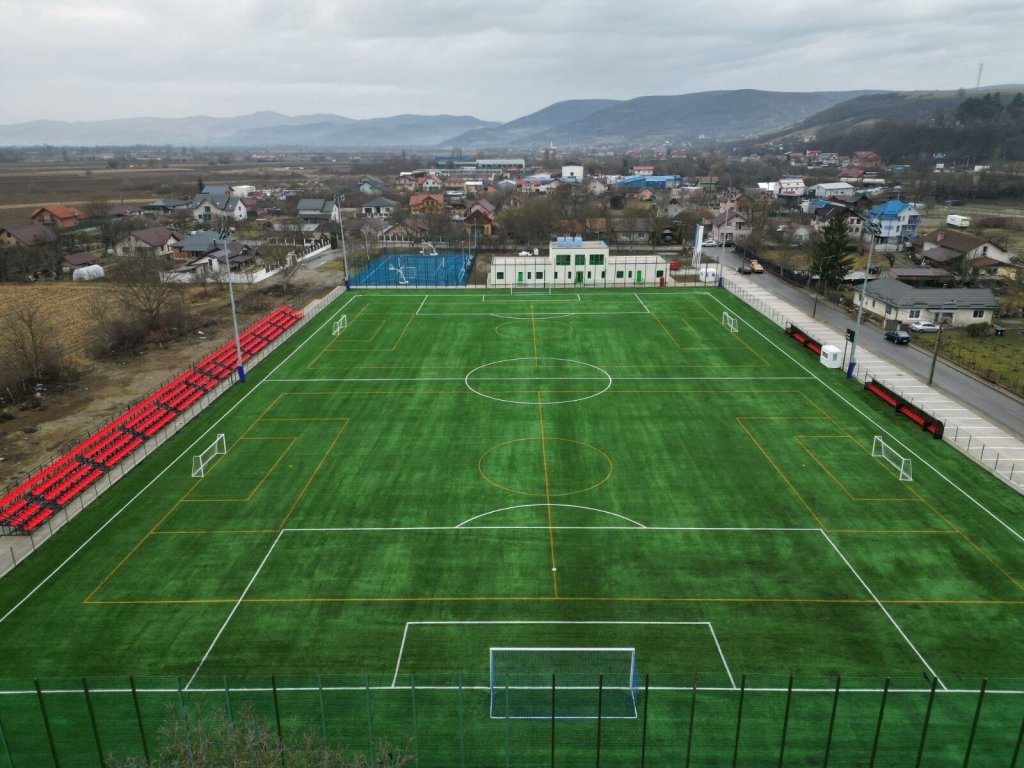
(679, 119)
(397, 131)
(524, 129)
(260, 129)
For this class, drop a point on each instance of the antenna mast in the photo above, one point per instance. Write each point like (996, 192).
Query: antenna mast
(977, 84)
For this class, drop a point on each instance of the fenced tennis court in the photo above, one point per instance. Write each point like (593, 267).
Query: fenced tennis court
(417, 479)
(412, 268)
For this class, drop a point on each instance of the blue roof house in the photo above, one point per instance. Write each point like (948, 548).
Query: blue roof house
(895, 224)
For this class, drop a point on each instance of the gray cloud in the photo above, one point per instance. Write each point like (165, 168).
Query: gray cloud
(64, 59)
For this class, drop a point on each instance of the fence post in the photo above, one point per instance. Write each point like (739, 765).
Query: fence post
(46, 725)
(689, 734)
(552, 720)
(1016, 749)
(227, 702)
(785, 720)
(643, 736)
(277, 710)
(92, 721)
(323, 709)
(462, 728)
(6, 746)
(369, 716)
(138, 718)
(974, 725)
(878, 727)
(415, 721)
(739, 720)
(927, 718)
(600, 696)
(831, 723)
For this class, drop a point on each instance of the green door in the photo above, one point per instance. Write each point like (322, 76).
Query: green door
(579, 277)
(639, 277)
(519, 277)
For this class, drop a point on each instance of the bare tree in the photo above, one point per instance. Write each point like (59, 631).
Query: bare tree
(143, 293)
(31, 346)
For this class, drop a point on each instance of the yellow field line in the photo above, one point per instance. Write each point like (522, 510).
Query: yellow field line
(313, 475)
(547, 494)
(785, 479)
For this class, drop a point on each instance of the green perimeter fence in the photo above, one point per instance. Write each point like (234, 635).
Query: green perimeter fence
(450, 721)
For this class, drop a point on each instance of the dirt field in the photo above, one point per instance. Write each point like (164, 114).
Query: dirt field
(30, 434)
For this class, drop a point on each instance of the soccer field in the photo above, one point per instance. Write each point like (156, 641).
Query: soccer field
(453, 472)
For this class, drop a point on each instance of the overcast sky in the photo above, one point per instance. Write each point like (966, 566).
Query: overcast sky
(99, 59)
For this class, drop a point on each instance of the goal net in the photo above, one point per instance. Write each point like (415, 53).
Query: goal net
(530, 289)
(563, 683)
(339, 325)
(203, 460)
(730, 322)
(880, 450)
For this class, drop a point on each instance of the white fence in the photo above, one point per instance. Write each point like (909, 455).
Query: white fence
(15, 548)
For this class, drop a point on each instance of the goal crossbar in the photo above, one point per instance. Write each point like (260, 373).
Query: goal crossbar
(339, 325)
(566, 683)
(200, 462)
(730, 321)
(881, 450)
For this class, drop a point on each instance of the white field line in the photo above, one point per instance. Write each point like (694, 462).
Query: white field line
(646, 308)
(422, 304)
(549, 622)
(187, 452)
(871, 420)
(431, 379)
(234, 608)
(884, 610)
(460, 527)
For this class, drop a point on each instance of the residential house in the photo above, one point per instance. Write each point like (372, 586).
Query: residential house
(829, 158)
(429, 183)
(27, 235)
(155, 241)
(318, 211)
(632, 230)
(429, 203)
(223, 190)
(59, 216)
(729, 226)
(371, 185)
(824, 212)
(896, 303)
(209, 207)
(894, 224)
(481, 216)
(124, 211)
(73, 261)
(867, 159)
(380, 207)
(576, 172)
(642, 170)
(202, 243)
(790, 188)
(408, 231)
(165, 206)
(852, 175)
(964, 253)
(832, 190)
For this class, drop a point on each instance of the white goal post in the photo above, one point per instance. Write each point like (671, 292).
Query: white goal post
(532, 288)
(563, 683)
(730, 322)
(880, 450)
(339, 325)
(202, 461)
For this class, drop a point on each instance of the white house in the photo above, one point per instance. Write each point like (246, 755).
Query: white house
(898, 303)
(213, 207)
(832, 190)
(572, 172)
(791, 187)
(318, 211)
(573, 261)
(894, 224)
(380, 208)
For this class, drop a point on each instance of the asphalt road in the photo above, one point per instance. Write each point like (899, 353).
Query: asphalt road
(1000, 408)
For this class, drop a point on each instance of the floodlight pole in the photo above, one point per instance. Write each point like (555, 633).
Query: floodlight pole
(234, 315)
(874, 229)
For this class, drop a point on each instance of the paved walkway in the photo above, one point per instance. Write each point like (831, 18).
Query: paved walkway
(972, 434)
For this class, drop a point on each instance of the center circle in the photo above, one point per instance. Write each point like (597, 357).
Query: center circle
(538, 380)
(546, 467)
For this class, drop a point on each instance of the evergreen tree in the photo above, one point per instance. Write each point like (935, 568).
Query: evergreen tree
(830, 254)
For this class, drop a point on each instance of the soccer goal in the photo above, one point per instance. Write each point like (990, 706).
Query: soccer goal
(879, 449)
(530, 289)
(563, 683)
(339, 325)
(203, 460)
(730, 322)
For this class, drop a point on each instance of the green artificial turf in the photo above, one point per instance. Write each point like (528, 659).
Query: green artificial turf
(462, 470)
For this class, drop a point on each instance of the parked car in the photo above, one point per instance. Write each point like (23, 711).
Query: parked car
(755, 267)
(744, 269)
(897, 337)
(923, 326)
(709, 244)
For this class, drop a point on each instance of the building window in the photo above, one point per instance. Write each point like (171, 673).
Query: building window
(499, 275)
(581, 259)
(540, 275)
(602, 274)
(914, 314)
(660, 273)
(562, 258)
(618, 274)
(631, 274)
(596, 259)
(978, 314)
